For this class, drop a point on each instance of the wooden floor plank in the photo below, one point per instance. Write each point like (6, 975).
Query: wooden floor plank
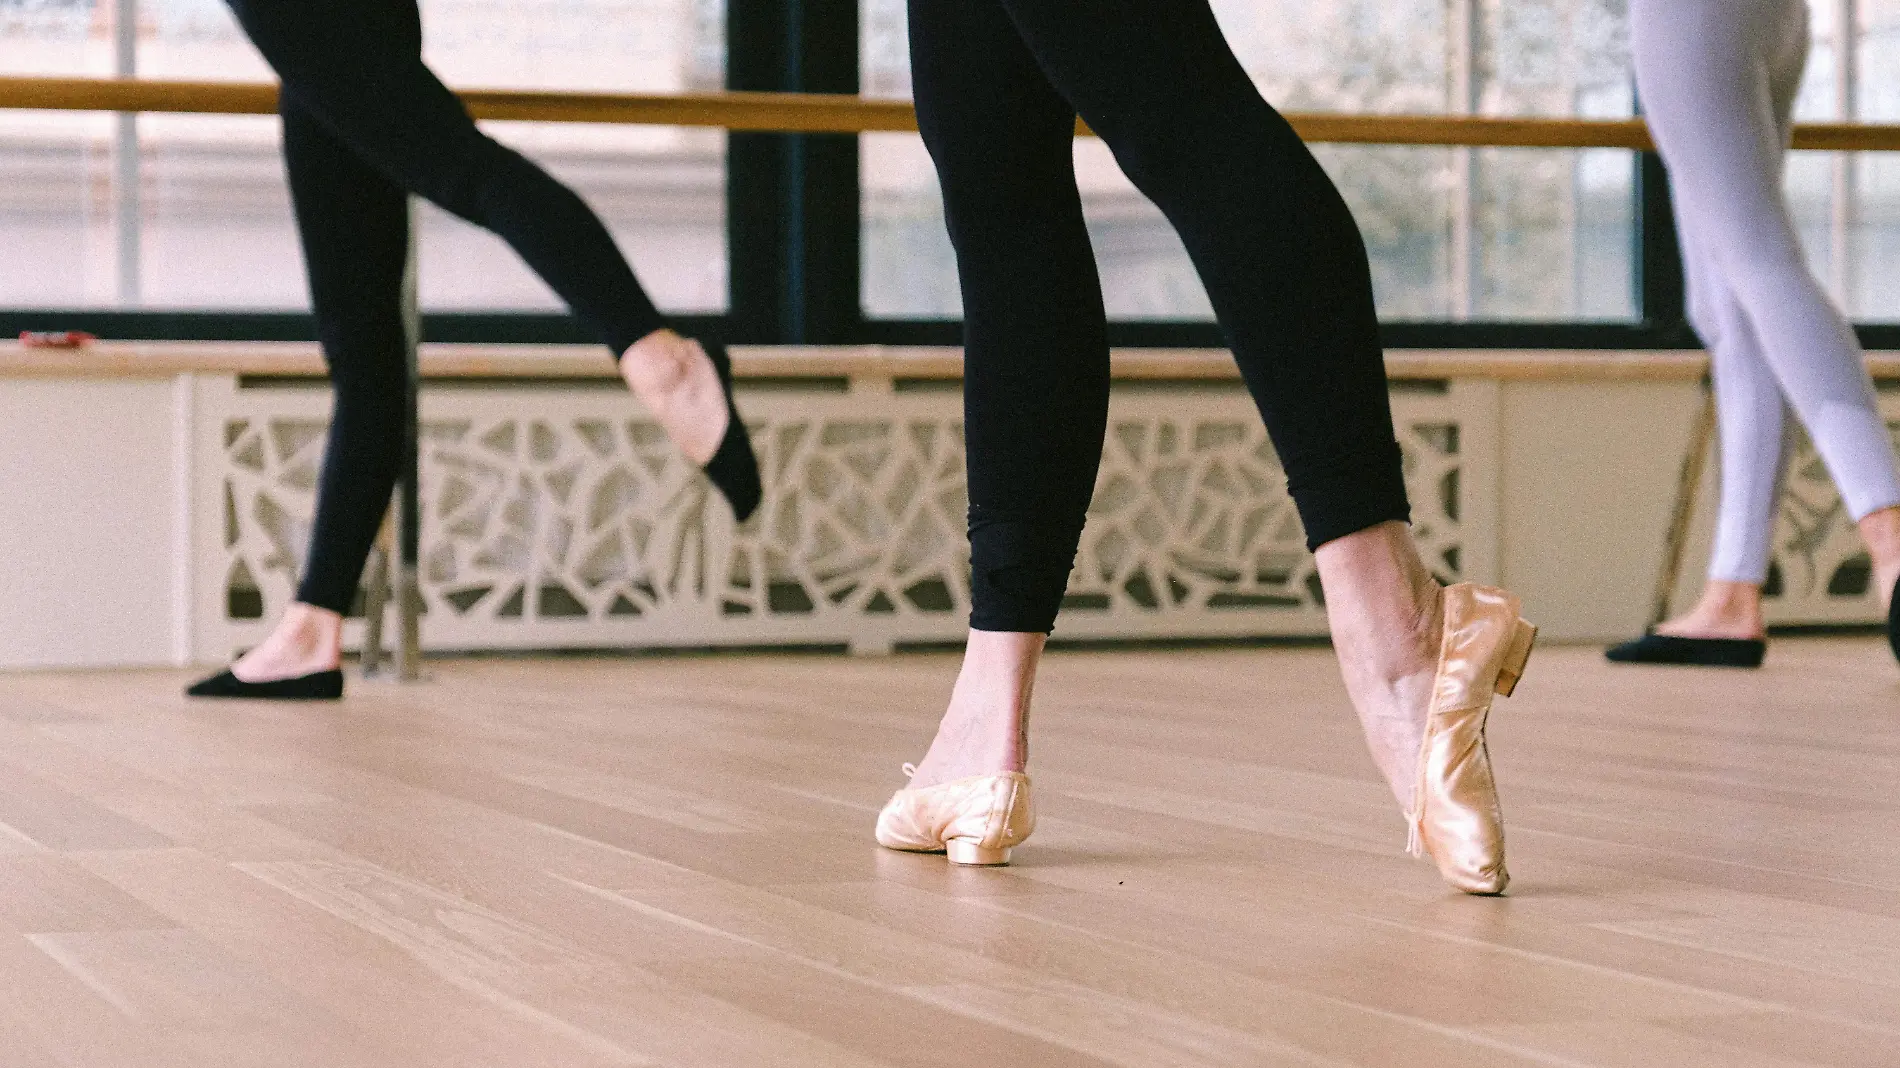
(667, 861)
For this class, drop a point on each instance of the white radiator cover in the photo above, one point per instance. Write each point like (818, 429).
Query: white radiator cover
(562, 518)
(557, 517)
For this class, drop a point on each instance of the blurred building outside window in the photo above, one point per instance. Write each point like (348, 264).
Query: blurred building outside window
(1454, 235)
(191, 212)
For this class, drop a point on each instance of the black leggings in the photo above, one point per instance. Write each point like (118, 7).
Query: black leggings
(998, 85)
(366, 123)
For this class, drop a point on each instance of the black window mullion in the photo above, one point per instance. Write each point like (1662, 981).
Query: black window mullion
(755, 239)
(792, 200)
(1662, 301)
(1661, 296)
(828, 178)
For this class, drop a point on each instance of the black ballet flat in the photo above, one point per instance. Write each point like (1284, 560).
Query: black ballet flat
(734, 468)
(1653, 648)
(321, 686)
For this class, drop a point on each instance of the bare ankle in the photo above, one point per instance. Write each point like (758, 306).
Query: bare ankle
(1726, 609)
(1881, 532)
(306, 639)
(1382, 602)
(1732, 604)
(985, 729)
(311, 626)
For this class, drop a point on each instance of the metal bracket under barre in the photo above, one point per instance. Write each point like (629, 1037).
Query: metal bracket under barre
(1682, 513)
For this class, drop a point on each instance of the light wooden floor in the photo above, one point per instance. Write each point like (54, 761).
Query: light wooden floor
(668, 861)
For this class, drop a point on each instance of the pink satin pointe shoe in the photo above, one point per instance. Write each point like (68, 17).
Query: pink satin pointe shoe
(977, 820)
(1456, 818)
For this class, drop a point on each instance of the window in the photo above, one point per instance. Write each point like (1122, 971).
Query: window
(1847, 205)
(175, 212)
(58, 211)
(1453, 234)
(208, 225)
(660, 189)
(196, 215)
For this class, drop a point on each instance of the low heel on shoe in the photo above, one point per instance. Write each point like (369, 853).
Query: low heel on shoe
(1523, 638)
(972, 854)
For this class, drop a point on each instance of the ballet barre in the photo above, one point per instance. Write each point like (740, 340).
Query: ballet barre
(451, 361)
(828, 113)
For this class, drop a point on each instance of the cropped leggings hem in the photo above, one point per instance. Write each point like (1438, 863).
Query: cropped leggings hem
(1021, 565)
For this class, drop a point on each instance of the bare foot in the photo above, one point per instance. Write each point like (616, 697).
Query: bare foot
(1384, 608)
(1726, 610)
(985, 731)
(677, 382)
(1881, 531)
(307, 640)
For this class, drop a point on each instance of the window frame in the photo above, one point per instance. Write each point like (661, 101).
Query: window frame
(795, 271)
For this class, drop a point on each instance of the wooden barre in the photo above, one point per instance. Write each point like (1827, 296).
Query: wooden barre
(829, 113)
(776, 112)
(582, 363)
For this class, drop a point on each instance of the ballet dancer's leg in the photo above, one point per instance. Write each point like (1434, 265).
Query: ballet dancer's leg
(365, 122)
(1036, 366)
(1752, 430)
(1286, 270)
(1717, 79)
(1278, 248)
(354, 225)
(356, 67)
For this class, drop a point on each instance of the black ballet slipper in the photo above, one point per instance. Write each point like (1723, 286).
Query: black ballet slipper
(1653, 648)
(1893, 620)
(320, 686)
(734, 468)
